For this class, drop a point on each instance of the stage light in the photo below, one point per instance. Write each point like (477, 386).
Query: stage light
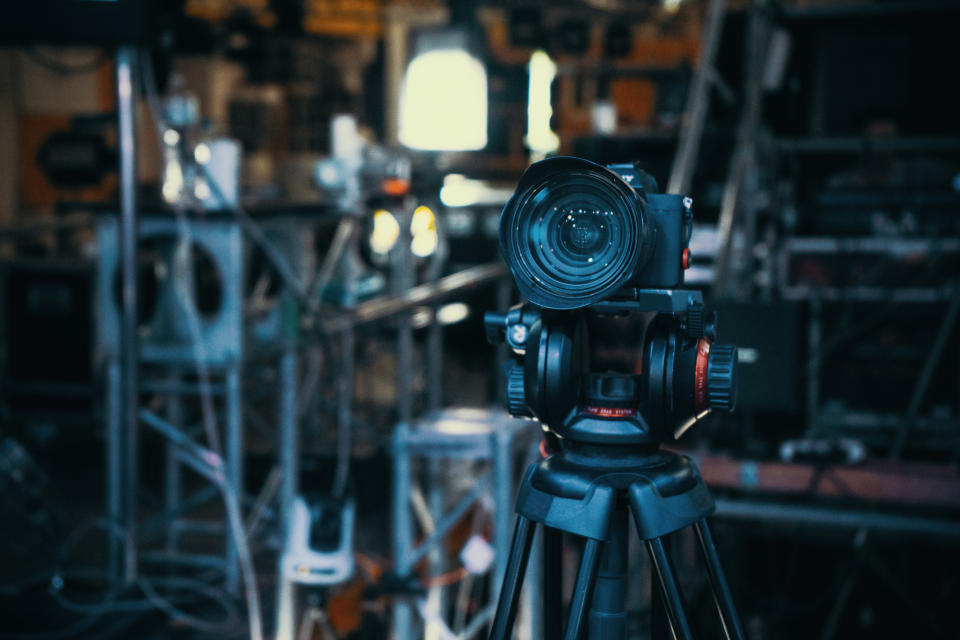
(443, 99)
(423, 232)
(201, 153)
(201, 190)
(424, 244)
(172, 182)
(385, 232)
(171, 137)
(540, 139)
(423, 221)
(459, 191)
(452, 313)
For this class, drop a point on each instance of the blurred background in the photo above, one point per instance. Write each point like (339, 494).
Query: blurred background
(245, 251)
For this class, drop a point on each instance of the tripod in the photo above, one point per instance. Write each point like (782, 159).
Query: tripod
(588, 491)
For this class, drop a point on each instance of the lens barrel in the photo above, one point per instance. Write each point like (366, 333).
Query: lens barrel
(573, 233)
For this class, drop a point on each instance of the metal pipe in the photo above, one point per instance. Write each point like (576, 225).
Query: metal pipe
(744, 151)
(288, 435)
(344, 411)
(404, 278)
(172, 477)
(200, 497)
(114, 506)
(406, 299)
(130, 353)
(178, 388)
(501, 442)
(403, 526)
(947, 326)
(791, 514)
(695, 113)
(234, 468)
(447, 522)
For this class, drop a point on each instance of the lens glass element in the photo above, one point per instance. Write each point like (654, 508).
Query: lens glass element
(573, 237)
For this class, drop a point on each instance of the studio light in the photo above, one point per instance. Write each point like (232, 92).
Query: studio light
(540, 139)
(385, 232)
(443, 99)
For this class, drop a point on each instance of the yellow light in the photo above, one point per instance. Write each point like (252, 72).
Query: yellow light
(385, 232)
(443, 102)
(422, 221)
(424, 244)
(201, 153)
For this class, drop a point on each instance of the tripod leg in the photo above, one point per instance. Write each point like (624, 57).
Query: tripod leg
(552, 582)
(718, 584)
(582, 589)
(669, 589)
(513, 580)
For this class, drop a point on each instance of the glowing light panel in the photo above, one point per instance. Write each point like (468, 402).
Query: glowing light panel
(443, 102)
(385, 232)
(540, 138)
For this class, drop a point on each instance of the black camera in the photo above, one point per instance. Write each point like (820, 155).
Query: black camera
(575, 233)
(609, 349)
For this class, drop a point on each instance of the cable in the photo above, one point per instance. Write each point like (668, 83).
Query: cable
(212, 593)
(110, 604)
(230, 498)
(64, 68)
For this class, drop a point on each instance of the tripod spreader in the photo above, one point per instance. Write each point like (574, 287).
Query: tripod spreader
(589, 495)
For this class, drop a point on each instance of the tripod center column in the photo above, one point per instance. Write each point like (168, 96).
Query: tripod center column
(608, 613)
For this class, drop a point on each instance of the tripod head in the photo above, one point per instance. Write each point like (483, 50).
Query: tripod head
(608, 350)
(668, 376)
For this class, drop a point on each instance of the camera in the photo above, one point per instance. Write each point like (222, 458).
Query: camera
(608, 348)
(575, 233)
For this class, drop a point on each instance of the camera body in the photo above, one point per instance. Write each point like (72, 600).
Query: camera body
(671, 221)
(575, 233)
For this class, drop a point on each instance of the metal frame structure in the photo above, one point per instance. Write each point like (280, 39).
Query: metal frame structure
(169, 342)
(456, 436)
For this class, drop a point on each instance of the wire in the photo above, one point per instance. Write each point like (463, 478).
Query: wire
(230, 498)
(110, 604)
(212, 593)
(63, 68)
(184, 282)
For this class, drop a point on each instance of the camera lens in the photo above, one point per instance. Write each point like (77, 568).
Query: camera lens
(572, 234)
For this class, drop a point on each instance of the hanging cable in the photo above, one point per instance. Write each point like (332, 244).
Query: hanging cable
(230, 498)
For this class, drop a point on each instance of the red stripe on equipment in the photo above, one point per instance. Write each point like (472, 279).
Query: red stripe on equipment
(611, 412)
(700, 376)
